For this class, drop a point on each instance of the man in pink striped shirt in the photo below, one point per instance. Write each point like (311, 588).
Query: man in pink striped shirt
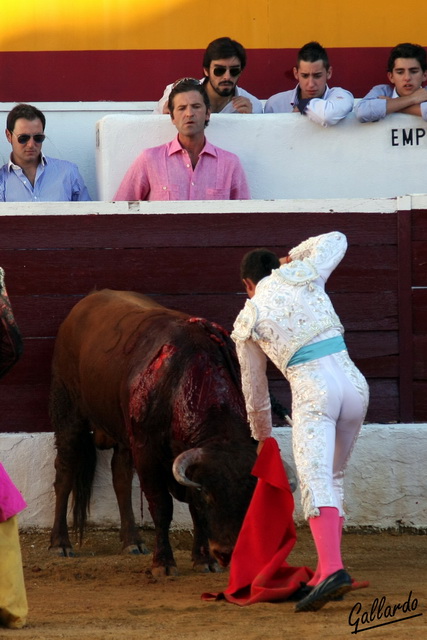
(188, 167)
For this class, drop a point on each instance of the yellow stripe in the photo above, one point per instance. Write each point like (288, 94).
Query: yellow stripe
(64, 25)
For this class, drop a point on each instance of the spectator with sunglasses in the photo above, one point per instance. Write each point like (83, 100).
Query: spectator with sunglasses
(312, 97)
(30, 176)
(188, 167)
(223, 63)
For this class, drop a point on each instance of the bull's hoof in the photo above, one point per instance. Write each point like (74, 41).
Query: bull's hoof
(136, 549)
(204, 567)
(163, 572)
(201, 567)
(214, 567)
(62, 552)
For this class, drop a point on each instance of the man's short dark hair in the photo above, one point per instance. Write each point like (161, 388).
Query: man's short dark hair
(26, 111)
(183, 86)
(224, 48)
(258, 264)
(312, 52)
(407, 50)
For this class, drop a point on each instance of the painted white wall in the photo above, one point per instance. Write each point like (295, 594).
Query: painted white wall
(286, 155)
(385, 484)
(71, 131)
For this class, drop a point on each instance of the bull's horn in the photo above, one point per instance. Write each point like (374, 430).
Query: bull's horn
(181, 464)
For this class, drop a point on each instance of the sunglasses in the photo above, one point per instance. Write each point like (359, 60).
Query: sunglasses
(234, 71)
(23, 138)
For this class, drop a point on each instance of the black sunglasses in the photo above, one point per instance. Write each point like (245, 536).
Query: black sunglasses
(23, 138)
(234, 71)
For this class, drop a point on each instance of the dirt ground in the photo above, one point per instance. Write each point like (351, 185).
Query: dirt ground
(101, 594)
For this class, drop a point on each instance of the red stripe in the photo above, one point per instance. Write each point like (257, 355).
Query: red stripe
(46, 76)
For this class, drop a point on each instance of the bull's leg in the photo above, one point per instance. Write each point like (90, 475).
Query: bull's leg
(202, 559)
(69, 429)
(122, 470)
(161, 508)
(59, 539)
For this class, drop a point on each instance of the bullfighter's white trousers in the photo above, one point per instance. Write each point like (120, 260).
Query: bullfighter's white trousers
(329, 402)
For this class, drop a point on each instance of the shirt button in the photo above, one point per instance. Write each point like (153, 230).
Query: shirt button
(164, 188)
(192, 184)
(188, 166)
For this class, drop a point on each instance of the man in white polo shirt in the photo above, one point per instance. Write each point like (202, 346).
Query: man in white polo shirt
(312, 97)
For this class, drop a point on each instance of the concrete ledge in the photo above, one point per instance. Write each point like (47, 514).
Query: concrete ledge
(385, 484)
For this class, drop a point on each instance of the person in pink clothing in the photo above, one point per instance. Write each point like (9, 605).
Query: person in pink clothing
(188, 167)
(13, 599)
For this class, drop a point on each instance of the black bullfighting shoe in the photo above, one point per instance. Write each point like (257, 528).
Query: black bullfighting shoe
(336, 585)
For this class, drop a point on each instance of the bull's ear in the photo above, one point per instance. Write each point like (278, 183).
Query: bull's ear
(181, 464)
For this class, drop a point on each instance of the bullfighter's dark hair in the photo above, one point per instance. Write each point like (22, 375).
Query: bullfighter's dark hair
(183, 86)
(312, 52)
(258, 264)
(26, 111)
(407, 50)
(224, 48)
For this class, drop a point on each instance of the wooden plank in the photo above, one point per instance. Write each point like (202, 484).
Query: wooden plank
(420, 357)
(24, 408)
(420, 400)
(419, 263)
(419, 225)
(175, 230)
(180, 270)
(33, 367)
(419, 302)
(405, 316)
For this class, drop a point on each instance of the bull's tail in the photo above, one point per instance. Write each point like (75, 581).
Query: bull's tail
(83, 482)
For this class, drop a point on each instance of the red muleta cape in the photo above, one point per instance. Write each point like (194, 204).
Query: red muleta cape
(259, 571)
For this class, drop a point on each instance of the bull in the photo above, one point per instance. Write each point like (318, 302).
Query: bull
(162, 389)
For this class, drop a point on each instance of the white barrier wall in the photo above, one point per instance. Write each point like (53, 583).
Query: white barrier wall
(385, 484)
(71, 131)
(286, 155)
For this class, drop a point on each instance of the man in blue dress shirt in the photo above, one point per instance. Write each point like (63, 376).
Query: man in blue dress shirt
(30, 176)
(407, 72)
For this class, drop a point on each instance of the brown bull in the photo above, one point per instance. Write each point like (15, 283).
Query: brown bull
(162, 390)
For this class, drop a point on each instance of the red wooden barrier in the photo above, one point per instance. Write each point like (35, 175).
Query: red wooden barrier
(191, 262)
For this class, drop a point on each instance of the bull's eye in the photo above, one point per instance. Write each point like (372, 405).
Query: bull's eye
(206, 496)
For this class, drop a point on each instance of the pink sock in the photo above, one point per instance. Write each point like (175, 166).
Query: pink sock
(325, 530)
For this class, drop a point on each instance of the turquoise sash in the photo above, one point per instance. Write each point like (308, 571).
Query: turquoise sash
(318, 350)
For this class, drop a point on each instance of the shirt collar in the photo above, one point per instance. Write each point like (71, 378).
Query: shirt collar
(11, 166)
(175, 147)
(296, 94)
